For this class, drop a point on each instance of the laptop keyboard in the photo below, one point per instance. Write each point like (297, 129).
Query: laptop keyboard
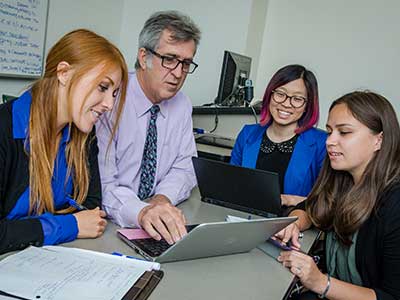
(155, 248)
(152, 246)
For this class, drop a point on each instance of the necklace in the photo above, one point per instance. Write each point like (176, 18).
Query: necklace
(268, 146)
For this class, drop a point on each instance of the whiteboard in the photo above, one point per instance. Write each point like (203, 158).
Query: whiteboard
(22, 37)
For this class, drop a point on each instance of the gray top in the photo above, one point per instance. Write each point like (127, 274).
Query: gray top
(341, 260)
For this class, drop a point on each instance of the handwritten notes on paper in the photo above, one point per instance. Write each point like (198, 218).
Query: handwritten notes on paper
(55, 272)
(22, 34)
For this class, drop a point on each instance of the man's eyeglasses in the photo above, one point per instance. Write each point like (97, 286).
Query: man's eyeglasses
(295, 101)
(171, 62)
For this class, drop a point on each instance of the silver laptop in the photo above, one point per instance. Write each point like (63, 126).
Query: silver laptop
(210, 239)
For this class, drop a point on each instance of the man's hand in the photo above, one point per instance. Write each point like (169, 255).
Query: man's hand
(161, 219)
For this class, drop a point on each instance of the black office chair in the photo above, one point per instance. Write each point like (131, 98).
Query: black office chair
(7, 98)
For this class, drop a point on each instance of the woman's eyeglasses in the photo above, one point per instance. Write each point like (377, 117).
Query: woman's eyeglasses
(295, 101)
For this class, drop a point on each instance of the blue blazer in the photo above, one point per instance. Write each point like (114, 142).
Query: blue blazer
(304, 165)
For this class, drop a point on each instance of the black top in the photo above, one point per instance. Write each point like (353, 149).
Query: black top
(14, 180)
(275, 157)
(224, 110)
(378, 247)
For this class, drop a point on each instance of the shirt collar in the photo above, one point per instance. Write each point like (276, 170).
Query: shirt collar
(141, 102)
(65, 134)
(21, 111)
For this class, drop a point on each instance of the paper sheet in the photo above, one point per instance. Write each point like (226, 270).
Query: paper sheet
(56, 272)
(133, 234)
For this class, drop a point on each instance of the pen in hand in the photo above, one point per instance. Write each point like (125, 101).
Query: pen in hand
(287, 247)
(75, 204)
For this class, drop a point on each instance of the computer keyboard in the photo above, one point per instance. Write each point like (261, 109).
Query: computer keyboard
(153, 247)
(215, 140)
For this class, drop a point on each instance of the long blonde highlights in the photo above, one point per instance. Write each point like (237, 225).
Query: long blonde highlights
(83, 50)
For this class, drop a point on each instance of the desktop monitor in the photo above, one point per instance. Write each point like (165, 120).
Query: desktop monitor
(235, 71)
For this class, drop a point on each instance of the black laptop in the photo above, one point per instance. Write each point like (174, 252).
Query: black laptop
(249, 190)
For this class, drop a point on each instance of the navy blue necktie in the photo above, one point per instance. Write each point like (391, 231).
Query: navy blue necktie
(149, 160)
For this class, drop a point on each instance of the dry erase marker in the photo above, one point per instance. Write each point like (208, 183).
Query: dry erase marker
(78, 206)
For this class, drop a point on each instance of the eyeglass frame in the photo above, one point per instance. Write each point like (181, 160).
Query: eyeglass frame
(290, 98)
(162, 57)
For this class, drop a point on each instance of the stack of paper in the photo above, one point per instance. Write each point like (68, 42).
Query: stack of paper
(55, 272)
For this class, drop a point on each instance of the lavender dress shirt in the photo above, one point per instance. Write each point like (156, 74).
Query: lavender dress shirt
(120, 165)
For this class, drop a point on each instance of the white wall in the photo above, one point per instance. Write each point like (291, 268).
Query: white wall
(348, 44)
(224, 25)
(255, 34)
(102, 16)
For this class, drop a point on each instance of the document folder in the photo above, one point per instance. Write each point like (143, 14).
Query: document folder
(144, 286)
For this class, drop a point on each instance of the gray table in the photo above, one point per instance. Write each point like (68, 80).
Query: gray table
(252, 275)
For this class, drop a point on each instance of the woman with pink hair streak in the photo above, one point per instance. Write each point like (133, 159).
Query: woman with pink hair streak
(286, 141)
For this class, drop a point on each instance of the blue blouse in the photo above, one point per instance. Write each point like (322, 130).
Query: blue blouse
(304, 165)
(56, 228)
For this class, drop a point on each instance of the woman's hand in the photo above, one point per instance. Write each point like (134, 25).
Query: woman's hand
(91, 223)
(291, 200)
(304, 267)
(290, 233)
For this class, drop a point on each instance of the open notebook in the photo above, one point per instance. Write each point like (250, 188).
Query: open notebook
(55, 272)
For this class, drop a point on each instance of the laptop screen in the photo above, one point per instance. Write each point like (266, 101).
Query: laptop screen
(250, 190)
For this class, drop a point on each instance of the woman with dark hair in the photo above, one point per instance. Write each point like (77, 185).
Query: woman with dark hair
(48, 146)
(356, 202)
(286, 141)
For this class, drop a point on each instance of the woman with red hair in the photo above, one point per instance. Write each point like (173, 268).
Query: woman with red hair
(48, 144)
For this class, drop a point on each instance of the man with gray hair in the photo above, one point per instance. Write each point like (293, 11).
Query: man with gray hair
(147, 168)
